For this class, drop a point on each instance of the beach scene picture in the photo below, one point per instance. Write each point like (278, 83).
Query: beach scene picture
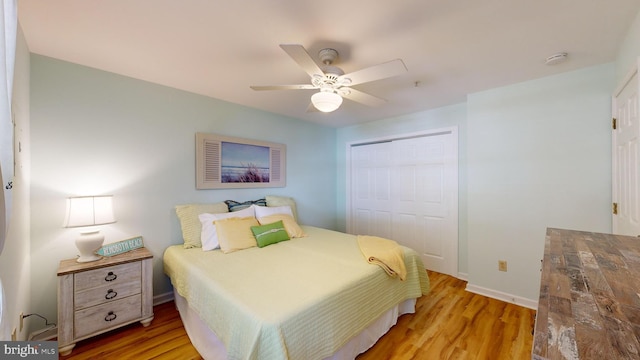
(244, 163)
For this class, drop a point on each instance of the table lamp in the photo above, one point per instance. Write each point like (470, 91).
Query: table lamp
(84, 211)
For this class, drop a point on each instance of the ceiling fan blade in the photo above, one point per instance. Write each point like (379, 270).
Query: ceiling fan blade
(361, 97)
(376, 72)
(284, 87)
(301, 56)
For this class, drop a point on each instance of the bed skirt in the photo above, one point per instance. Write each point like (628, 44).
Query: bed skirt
(211, 348)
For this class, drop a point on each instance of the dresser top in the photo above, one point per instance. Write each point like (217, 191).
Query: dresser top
(589, 306)
(71, 266)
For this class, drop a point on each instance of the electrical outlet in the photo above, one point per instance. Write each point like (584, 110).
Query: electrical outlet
(13, 335)
(502, 265)
(21, 322)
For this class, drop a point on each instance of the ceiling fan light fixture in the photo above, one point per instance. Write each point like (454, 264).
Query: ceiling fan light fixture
(332, 82)
(326, 101)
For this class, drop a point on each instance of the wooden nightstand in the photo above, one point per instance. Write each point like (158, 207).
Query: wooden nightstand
(103, 295)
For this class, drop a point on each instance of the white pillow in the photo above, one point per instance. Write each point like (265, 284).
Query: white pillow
(275, 200)
(262, 211)
(209, 236)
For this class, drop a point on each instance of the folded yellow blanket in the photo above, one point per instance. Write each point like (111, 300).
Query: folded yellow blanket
(385, 253)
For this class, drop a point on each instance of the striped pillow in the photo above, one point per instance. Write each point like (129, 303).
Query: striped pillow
(237, 206)
(190, 223)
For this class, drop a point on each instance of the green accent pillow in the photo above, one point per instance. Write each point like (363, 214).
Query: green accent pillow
(270, 233)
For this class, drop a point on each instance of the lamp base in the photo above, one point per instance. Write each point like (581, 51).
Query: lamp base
(88, 243)
(90, 258)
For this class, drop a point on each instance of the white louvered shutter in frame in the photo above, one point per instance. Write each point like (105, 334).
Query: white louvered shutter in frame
(211, 163)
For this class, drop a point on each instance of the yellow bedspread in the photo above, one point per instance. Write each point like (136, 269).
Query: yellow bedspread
(298, 299)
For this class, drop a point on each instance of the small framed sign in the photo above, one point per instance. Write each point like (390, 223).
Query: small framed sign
(121, 246)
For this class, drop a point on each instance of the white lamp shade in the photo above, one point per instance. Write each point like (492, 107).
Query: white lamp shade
(326, 101)
(89, 211)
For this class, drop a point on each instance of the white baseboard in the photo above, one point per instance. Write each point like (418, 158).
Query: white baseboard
(463, 276)
(528, 303)
(162, 298)
(45, 334)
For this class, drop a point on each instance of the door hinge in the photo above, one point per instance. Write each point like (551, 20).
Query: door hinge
(615, 208)
(614, 123)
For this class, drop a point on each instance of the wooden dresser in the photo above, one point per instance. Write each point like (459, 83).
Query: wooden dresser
(589, 305)
(95, 297)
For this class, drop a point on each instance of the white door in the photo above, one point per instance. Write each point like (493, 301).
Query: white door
(625, 159)
(407, 190)
(371, 190)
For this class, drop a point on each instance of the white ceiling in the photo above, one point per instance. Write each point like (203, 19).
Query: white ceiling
(219, 48)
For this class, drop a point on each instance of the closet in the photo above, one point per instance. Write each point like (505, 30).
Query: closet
(406, 189)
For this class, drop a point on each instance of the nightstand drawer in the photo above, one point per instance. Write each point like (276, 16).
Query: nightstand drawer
(99, 318)
(113, 275)
(106, 293)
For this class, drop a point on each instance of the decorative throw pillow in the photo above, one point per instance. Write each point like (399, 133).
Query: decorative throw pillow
(274, 200)
(270, 233)
(190, 224)
(209, 235)
(262, 211)
(237, 206)
(235, 233)
(292, 227)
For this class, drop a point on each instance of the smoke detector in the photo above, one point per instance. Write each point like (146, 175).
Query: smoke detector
(556, 58)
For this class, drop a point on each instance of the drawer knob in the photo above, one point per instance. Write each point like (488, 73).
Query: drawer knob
(111, 294)
(110, 316)
(110, 276)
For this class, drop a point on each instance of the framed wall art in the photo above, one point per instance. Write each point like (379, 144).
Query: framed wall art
(224, 162)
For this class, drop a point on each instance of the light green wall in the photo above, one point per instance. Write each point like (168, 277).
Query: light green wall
(539, 155)
(448, 116)
(95, 132)
(15, 261)
(532, 155)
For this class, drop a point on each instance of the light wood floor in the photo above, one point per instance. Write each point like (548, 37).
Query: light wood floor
(449, 323)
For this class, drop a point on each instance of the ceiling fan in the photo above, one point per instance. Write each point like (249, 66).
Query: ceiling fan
(332, 82)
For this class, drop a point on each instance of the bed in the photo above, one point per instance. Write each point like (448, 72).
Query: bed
(311, 297)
